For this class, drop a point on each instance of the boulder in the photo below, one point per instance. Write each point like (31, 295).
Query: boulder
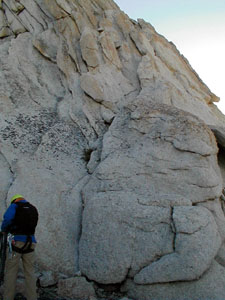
(210, 286)
(75, 288)
(138, 219)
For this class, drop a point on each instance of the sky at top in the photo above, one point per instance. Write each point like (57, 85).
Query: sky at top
(196, 27)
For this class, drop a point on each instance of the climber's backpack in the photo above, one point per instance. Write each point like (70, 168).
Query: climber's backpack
(25, 220)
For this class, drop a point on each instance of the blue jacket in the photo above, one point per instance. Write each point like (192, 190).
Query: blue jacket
(7, 220)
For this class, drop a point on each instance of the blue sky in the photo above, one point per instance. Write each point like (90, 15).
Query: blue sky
(158, 9)
(196, 27)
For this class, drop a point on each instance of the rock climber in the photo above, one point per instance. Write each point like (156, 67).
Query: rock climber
(19, 221)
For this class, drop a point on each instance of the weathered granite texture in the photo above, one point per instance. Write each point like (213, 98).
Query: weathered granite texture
(105, 127)
(76, 288)
(144, 216)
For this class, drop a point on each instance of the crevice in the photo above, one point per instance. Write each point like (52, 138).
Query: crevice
(222, 200)
(204, 187)
(109, 291)
(87, 155)
(99, 101)
(204, 201)
(153, 203)
(131, 92)
(63, 17)
(81, 218)
(190, 233)
(66, 12)
(134, 43)
(219, 261)
(188, 151)
(13, 177)
(173, 228)
(45, 56)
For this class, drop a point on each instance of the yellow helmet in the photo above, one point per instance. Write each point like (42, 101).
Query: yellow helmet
(16, 197)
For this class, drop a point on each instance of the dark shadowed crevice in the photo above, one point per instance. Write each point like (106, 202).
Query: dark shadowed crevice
(221, 161)
(13, 177)
(87, 155)
(173, 229)
(109, 291)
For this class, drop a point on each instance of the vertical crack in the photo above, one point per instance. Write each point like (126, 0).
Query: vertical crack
(83, 182)
(173, 229)
(12, 179)
(222, 200)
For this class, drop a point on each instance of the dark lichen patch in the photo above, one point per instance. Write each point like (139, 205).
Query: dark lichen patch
(25, 131)
(65, 139)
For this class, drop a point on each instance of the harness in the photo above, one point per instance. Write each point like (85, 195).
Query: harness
(26, 247)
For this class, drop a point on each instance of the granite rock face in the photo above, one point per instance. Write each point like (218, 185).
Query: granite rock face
(143, 215)
(109, 131)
